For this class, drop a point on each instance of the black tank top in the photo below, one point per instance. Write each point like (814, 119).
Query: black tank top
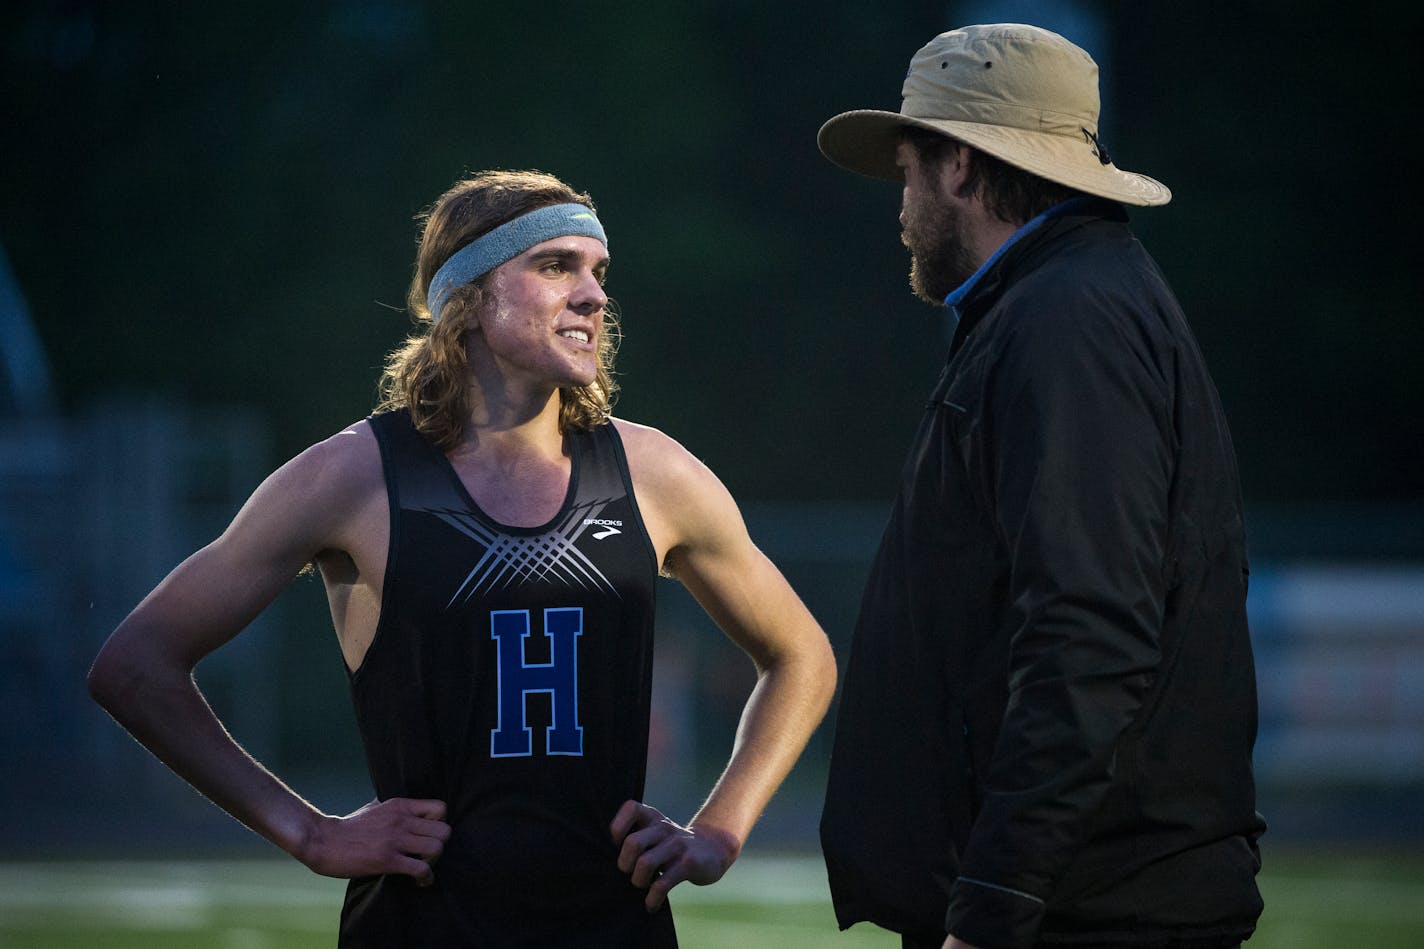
(510, 676)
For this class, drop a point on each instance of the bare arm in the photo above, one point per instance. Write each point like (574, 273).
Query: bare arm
(143, 676)
(709, 550)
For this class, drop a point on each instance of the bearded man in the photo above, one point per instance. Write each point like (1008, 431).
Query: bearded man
(1048, 715)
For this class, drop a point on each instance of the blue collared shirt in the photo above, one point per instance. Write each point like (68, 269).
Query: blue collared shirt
(957, 296)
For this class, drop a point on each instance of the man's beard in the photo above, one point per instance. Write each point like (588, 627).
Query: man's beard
(939, 256)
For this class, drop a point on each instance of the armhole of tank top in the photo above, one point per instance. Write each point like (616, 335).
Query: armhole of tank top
(381, 428)
(616, 441)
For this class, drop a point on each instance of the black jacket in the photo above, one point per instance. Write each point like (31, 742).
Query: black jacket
(1047, 718)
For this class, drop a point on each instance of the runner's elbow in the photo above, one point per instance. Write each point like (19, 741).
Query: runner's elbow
(111, 677)
(121, 672)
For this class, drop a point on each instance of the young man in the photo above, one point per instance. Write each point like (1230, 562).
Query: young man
(489, 544)
(1047, 721)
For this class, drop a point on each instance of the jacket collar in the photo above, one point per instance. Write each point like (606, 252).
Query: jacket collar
(983, 285)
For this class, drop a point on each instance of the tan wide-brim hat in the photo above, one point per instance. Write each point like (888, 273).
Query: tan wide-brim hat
(1020, 93)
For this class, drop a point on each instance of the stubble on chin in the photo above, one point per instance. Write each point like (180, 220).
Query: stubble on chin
(929, 278)
(939, 259)
(924, 284)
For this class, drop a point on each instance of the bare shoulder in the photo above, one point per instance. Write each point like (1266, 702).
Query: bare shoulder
(684, 503)
(349, 460)
(335, 478)
(639, 437)
(659, 462)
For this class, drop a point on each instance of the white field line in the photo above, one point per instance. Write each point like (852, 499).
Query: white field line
(184, 893)
(764, 879)
(177, 895)
(189, 887)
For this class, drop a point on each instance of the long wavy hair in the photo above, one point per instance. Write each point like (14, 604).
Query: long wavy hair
(427, 373)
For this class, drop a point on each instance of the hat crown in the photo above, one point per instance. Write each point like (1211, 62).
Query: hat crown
(1011, 75)
(1015, 92)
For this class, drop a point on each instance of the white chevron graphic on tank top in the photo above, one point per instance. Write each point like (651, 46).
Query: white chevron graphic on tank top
(512, 560)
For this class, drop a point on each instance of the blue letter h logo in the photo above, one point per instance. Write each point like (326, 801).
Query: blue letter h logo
(517, 679)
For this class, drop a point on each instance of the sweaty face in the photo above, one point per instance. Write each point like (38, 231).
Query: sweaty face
(933, 230)
(543, 314)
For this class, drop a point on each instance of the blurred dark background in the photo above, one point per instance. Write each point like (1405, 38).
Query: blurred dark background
(207, 213)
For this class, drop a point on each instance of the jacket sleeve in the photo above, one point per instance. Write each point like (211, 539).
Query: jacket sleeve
(1075, 466)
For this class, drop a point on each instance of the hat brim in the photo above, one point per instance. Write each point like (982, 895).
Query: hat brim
(865, 141)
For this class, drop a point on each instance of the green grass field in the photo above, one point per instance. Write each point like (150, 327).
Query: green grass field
(1312, 902)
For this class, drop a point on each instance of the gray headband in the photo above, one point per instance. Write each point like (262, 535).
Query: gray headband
(507, 242)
